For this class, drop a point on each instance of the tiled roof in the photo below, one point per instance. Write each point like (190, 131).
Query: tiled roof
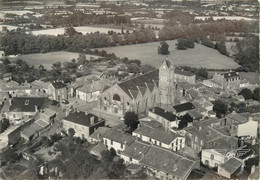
(136, 150)
(184, 85)
(99, 133)
(28, 104)
(167, 161)
(158, 134)
(228, 75)
(237, 117)
(184, 107)
(58, 85)
(231, 165)
(165, 114)
(81, 118)
(139, 81)
(119, 137)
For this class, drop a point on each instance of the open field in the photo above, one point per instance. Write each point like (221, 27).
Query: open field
(82, 29)
(47, 59)
(200, 56)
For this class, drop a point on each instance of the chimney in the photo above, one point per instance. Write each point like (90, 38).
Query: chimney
(175, 167)
(36, 108)
(86, 112)
(200, 128)
(253, 169)
(250, 119)
(92, 118)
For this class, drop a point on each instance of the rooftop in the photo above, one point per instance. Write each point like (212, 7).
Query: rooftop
(156, 133)
(167, 161)
(58, 85)
(28, 104)
(183, 72)
(183, 107)
(82, 119)
(164, 113)
(228, 75)
(136, 150)
(231, 165)
(119, 137)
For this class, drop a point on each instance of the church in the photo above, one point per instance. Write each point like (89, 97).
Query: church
(139, 94)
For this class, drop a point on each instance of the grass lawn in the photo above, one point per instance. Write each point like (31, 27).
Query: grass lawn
(47, 59)
(200, 56)
(252, 77)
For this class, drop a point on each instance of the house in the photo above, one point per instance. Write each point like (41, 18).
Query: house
(40, 86)
(207, 134)
(228, 81)
(230, 168)
(83, 123)
(18, 107)
(165, 164)
(240, 98)
(166, 118)
(241, 126)
(117, 140)
(58, 91)
(158, 136)
(181, 75)
(182, 109)
(98, 135)
(135, 152)
(7, 76)
(91, 92)
(215, 157)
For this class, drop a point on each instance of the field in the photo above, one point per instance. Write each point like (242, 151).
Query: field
(82, 29)
(47, 59)
(200, 56)
(237, 18)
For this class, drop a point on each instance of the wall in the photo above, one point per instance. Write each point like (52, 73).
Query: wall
(248, 129)
(218, 158)
(116, 145)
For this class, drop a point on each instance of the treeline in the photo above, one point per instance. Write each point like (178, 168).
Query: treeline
(22, 43)
(79, 18)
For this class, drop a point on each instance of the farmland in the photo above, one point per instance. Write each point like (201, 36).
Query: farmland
(82, 29)
(200, 56)
(47, 59)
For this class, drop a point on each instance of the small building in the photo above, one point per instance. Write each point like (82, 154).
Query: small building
(230, 168)
(135, 152)
(158, 136)
(98, 135)
(84, 124)
(58, 91)
(166, 118)
(181, 75)
(18, 107)
(182, 109)
(7, 76)
(116, 140)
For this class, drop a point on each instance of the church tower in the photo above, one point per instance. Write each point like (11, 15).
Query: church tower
(166, 83)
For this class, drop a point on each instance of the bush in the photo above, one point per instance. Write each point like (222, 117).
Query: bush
(183, 44)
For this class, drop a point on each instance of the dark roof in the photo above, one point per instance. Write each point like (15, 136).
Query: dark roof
(139, 81)
(183, 72)
(163, 113)
(230, 75)
(184, 107)
(58, 85)
(81, 118)
(28, 104)
(244, 152)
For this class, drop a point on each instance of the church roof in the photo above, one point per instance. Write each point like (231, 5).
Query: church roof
(139, 83)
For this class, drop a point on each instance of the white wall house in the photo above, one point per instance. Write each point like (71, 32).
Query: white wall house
(248, 129)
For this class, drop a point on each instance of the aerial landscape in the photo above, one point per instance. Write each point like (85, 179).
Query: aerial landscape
(129, 89)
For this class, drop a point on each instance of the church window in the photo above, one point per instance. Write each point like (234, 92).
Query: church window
(116, 97)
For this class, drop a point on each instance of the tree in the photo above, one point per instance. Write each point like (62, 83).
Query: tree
(131, 120)
(183, 44)
(9, 156)
(184, 120)
(221, 47)
(256, 94)
(55, 137)
(71, 132)
(163, 48)
(133, 68)
(4, 124)
(220, 108)
(202, 73)
(246, 93)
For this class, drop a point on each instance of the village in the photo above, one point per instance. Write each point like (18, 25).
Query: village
(94, 113)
